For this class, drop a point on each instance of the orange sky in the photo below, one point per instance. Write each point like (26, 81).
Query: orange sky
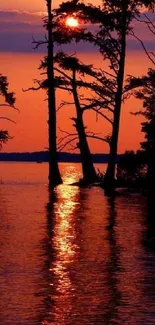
(30, 132)
(29, 5)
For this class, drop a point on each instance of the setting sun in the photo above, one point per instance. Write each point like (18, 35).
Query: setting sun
(72, 22)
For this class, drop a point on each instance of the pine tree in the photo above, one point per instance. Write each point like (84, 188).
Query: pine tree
(114, 20)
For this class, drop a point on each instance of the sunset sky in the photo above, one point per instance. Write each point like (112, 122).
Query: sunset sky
(32, 6)
(19, 21)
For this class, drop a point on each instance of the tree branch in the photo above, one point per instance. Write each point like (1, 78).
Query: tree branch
(143, 46)
(39, 43)
(8, 119)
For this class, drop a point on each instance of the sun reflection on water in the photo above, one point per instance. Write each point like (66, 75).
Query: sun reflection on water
(65, 236)
(63, 243)
(65, 227)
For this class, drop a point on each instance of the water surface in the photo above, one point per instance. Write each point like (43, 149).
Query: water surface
(72, 256)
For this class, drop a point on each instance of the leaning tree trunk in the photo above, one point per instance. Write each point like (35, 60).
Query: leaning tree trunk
(89, 173)
(110, 173)
(54, 173)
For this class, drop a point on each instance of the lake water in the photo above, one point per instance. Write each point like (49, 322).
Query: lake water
(72, 257)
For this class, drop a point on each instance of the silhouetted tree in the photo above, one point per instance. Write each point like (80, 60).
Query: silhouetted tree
(114, 20)
(70, 76)
(54, 33)
(131, 170)
(147, 95)
(89, 173)
(8, 100)
(82, 103)
(4, 137)
(124, 13)
(54, 173)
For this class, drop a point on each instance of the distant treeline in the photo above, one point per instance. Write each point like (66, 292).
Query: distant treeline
(43, 156)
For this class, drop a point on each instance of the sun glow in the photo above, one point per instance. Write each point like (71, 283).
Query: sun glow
(72, 22)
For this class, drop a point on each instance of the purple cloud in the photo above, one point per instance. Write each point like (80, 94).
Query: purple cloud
(18, 28)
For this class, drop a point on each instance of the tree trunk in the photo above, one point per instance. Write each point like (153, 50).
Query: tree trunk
(54, 173)
(89, 173)
(110, 173)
